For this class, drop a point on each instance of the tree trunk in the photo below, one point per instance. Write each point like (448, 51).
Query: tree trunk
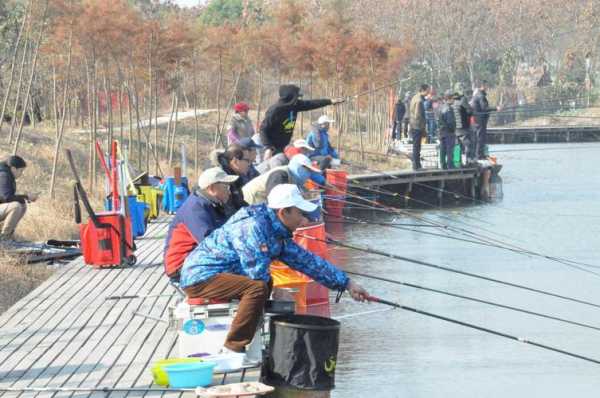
(62, 121)
(13, 122)
(31, 76)
(14, 60)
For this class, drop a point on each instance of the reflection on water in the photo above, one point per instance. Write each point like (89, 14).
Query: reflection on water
(551, 205)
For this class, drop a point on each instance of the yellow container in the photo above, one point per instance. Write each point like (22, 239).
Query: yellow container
(153, 197)
(159, 374)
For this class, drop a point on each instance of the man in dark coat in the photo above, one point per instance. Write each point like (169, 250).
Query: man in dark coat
(277, 127)
(399, 112)
(447, 125)
(12, 205)
(481, 112)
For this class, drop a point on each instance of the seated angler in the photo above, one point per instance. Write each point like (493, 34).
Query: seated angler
(283, 158)
(201, 213)
(298, 171)
(233, 262)
(324, 152)
(235, 162)
(249, 147)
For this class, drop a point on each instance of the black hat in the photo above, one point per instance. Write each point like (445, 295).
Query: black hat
(16, 161)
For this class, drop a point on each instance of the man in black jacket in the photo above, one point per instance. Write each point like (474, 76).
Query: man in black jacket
(277, 127)
(12, 206)
(481, 112)
(399, 112)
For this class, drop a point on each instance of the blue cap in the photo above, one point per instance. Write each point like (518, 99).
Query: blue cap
(248, 143)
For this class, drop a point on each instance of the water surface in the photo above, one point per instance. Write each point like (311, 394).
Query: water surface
(551, 205)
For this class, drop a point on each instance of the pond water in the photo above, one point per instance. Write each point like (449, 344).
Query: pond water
(551, 205)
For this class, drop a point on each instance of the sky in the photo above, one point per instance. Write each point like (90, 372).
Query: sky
(187, 3)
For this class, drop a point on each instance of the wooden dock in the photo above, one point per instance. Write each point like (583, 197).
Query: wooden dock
(66, 334)
(519, 135)
(415, 188)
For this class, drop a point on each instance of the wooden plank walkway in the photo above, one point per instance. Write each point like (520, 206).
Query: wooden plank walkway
(527, 134)
(66, 334)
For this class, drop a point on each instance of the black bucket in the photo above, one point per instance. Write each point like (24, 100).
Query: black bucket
(302, 352)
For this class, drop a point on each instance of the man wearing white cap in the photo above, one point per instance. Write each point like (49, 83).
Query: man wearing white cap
(281, 159)
(201, 213)
(324, 152)
(298, 171)
(233, 262)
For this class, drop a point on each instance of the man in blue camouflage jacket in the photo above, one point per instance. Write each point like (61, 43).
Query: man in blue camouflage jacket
(233, 262)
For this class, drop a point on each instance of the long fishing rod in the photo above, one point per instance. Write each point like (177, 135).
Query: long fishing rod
(489, 241)
(368, 250)
(512, 247)
(481, 328)
(500, 244)
(474, 299)
(350, 220)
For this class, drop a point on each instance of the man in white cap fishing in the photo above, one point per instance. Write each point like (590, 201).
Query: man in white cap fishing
(233, 262)
(324, 153)
(201, 213)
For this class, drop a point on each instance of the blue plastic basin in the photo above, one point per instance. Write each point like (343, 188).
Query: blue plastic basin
(190, 375)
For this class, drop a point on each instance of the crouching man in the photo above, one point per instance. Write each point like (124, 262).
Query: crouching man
(233, 262)
(12, 205)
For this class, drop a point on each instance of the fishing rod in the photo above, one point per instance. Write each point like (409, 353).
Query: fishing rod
(509, 246)
(499, 243)
(481, 328)
(400, 227)
(352, 220)
(394, 210)
(474, 299)
(368, 250)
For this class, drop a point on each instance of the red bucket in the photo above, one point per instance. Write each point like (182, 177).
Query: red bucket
(335, 198)
(302, 236)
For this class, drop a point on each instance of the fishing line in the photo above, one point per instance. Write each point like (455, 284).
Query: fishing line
(518, 249)
(449, 269)
(499, 243)
(399, 226)
(474, 299)
(482, 329)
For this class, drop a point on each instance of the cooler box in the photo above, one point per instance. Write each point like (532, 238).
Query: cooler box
(202, 329)
(102, 246)
(137, 214)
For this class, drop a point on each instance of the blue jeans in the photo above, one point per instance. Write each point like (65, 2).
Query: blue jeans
(431, 127)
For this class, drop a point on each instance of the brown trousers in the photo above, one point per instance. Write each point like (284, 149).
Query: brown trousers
(252, 295)
(10, 215)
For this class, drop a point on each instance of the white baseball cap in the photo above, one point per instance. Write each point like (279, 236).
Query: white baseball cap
(301, 143)
(303, 160)
(283, 196)
(324, 119)
(213, 176)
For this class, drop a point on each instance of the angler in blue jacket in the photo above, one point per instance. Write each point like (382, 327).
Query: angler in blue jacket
(319, 139)
(233, 262)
